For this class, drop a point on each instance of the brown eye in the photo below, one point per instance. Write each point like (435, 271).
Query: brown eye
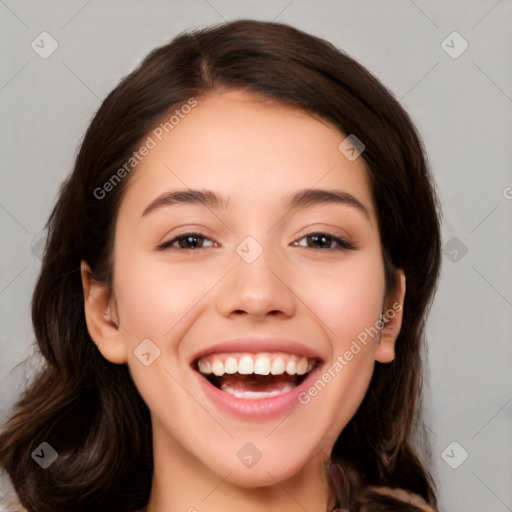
(186, 241)
(324, 241)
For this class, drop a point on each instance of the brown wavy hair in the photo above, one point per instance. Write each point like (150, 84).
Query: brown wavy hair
(89, 409)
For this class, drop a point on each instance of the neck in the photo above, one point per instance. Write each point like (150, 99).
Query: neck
(181, 482)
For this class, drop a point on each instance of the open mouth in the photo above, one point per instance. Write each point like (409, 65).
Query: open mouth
(255, 376)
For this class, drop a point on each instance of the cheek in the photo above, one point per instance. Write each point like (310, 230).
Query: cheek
(154, 297)
(347, 300)
(159, 301)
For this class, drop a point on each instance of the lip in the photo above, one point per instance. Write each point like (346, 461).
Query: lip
(255, 345)
(254, 409)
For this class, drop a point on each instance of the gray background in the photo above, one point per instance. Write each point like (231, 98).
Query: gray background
(462, 107)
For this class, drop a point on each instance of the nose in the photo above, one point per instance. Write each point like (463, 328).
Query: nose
(257, 289)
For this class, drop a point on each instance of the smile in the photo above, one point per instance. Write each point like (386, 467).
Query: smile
(256, 379)
(255, 376)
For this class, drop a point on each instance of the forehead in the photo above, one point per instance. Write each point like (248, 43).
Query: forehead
(246, 148)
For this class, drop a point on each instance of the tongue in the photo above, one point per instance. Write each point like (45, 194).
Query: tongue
(255, 386)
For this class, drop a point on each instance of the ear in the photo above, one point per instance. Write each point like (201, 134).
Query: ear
(100, 316)
(392, 318)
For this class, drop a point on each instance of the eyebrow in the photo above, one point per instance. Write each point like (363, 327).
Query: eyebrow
(299, 200)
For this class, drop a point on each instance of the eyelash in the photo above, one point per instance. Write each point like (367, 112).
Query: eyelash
(342, 242)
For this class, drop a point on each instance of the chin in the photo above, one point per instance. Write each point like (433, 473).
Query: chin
(277, 464)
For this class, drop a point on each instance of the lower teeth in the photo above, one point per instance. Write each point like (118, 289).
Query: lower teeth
(255, 394)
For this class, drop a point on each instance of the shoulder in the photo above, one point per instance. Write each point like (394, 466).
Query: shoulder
(404, 496)
(9, 501)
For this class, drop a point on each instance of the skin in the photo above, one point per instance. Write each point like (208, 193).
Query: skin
(256, 153)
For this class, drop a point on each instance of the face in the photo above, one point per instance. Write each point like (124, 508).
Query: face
(248, 316)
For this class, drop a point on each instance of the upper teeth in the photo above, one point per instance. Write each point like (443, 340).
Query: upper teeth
(260, 364)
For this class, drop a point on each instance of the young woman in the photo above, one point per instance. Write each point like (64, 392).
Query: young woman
(233, 291)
